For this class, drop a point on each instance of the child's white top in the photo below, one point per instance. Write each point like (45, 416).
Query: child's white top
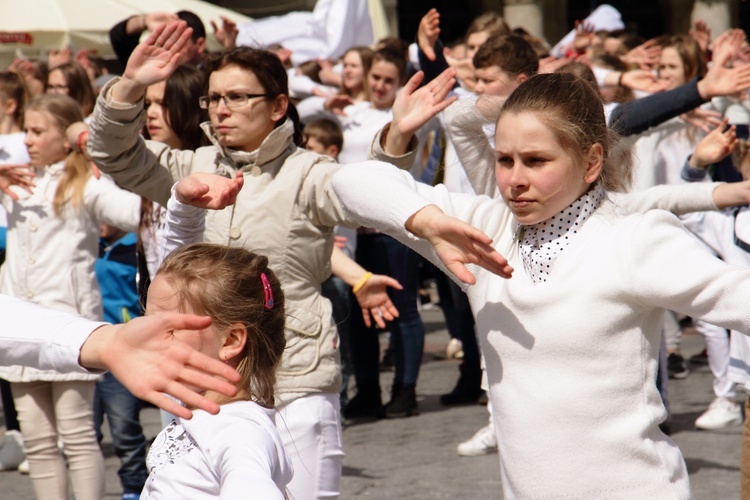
(235, 454)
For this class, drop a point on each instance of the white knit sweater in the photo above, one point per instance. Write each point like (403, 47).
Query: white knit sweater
(572, 362)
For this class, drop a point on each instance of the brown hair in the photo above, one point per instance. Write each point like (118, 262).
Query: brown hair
(76, 173)
(13, 86)
(79, 85)
(365, 55)
(225, 283)
(393, 56)
(741, 158)
(693, 58)
(326, 131)
(270, 72)
(573, 110)
(490, 22)
(511, 53)
(181, 92)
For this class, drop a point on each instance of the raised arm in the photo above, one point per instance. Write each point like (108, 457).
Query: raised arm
(637, 116)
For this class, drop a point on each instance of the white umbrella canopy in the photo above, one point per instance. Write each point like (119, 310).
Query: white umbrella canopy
(33, 27)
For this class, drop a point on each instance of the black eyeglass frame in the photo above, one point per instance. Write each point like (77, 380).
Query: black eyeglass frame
(205, 101)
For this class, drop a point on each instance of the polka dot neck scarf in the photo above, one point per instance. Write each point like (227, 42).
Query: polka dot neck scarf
(542, 243)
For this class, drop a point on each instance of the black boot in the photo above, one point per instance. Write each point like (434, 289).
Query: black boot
(467, 391)
(403, 403)
(366, 404)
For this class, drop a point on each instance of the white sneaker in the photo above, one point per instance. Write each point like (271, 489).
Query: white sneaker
(483, 442)
(11, 451)
(23, 468)
(454, 349)
(721, 413)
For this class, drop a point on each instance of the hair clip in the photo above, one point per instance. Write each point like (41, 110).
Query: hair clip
(267, 291)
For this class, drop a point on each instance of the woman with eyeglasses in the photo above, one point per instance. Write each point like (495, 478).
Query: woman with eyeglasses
(286, 211)
(72, 80)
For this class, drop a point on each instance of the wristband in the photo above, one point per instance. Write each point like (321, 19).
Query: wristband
(83, 136)
(361, 282)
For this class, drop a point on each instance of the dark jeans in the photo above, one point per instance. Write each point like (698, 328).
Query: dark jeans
(339, 293)
(382, 254)
(123, 413)
(459, 320)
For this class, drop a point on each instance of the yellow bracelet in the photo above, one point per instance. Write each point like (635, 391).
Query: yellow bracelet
(361, 282)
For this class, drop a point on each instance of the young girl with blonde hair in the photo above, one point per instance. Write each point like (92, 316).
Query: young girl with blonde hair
(53, 232)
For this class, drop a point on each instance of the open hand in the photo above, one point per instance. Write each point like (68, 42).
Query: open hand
(226, 34)
(374, 300)
(715, 146)
(427, 33)
(457, 244)
(145, 357)
(210, 191)
(16, 175)
(156, 58)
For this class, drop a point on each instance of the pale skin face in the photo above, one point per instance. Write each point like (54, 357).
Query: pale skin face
(496, 82)
(474, 41)
(384, 80)
(156, 117)
(352, 74)
(536, 175)
(243, 128)
(225, 345)
(56, 83)
(44, 140)
(162, 297)
(671, 68)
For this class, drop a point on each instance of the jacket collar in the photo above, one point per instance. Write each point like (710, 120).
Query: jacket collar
(273, 146)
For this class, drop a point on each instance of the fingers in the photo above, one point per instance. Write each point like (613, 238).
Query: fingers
(413, 84)
(165, 403)
(463, 274)
(366, 317)
(13, 196)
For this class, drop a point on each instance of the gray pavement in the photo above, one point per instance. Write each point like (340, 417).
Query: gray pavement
(415, 458)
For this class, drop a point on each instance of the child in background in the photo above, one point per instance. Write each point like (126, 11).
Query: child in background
(239, 451)
(116, 271)
(324, 137)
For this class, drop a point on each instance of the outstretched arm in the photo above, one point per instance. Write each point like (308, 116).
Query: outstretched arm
(142, 353)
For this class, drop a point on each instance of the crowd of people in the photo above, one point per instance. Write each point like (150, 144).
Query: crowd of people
(300, 208)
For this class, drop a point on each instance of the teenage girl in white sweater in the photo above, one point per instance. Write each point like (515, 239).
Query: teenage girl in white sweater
(571, 340)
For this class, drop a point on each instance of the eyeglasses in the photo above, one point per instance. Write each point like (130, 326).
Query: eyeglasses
(233, 100)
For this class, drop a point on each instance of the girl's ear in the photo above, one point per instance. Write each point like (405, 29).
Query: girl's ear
(234, 342)
(11, 105)
(594, 163)
(280, 104)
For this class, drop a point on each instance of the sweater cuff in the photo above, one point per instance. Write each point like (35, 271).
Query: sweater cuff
(692, 174)
(404, 161)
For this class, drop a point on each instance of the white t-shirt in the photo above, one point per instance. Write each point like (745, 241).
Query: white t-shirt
(235, 454)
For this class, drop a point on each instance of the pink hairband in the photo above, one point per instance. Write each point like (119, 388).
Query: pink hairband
(267, 291)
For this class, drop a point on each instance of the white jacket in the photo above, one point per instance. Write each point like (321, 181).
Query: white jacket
(50, 259)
